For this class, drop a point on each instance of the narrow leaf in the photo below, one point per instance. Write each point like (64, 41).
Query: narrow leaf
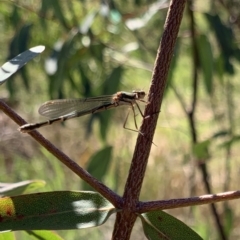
(137, 23)
(112, 82)
(98, 164)
(19, 61)
(228, 221)
(111, 85)
(225, 37)
(54, 211)
(58, 12)
(160, 225)
(206, 60)
(12, 189)
(42, 234)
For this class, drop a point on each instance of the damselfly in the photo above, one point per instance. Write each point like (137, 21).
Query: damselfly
(64, 109)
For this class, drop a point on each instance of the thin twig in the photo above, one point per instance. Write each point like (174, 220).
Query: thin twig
(187, 202)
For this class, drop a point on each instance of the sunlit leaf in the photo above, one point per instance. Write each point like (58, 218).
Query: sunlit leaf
(137, 23)
(19, 61)
(54, 211)
(51, 62)
(7, 236)
(44, 234)
(130, 61)
(115, 16)
(19, 44)
(160, 225)
(87, 22)
(23, 187)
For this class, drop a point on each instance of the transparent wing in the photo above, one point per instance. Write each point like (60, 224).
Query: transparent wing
(62, 107)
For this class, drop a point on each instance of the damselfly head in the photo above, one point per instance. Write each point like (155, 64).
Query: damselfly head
(140, 93)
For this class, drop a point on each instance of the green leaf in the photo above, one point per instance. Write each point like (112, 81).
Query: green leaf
(7, 236)
(219, 68)
(19, 44)
(15, 17)
(200, 150)
(41, 234)
(13, 189)
(227, 144)
(24, 37)
(160, 225)
(85, 82)
(112, 82)
(97, 51)
(111, 86)
(54, 211)
(58, 12)
(228, 221)
(87, 22)
(45, 7)
(221, 133)
(206, 60)
(98, 164)
(18, 62)
(224, 36)
(104, 119)
(62, 55)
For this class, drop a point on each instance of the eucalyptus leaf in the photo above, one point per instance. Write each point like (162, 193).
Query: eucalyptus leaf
(225, 37)
(98, 164)
(12, 66)
(206, 60)
(160, 225)
(12, 189)
(54, 211)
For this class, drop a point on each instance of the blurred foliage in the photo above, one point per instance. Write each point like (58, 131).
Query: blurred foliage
(95, 48)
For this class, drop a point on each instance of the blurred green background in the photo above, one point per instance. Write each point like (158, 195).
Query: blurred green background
(100, 47)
